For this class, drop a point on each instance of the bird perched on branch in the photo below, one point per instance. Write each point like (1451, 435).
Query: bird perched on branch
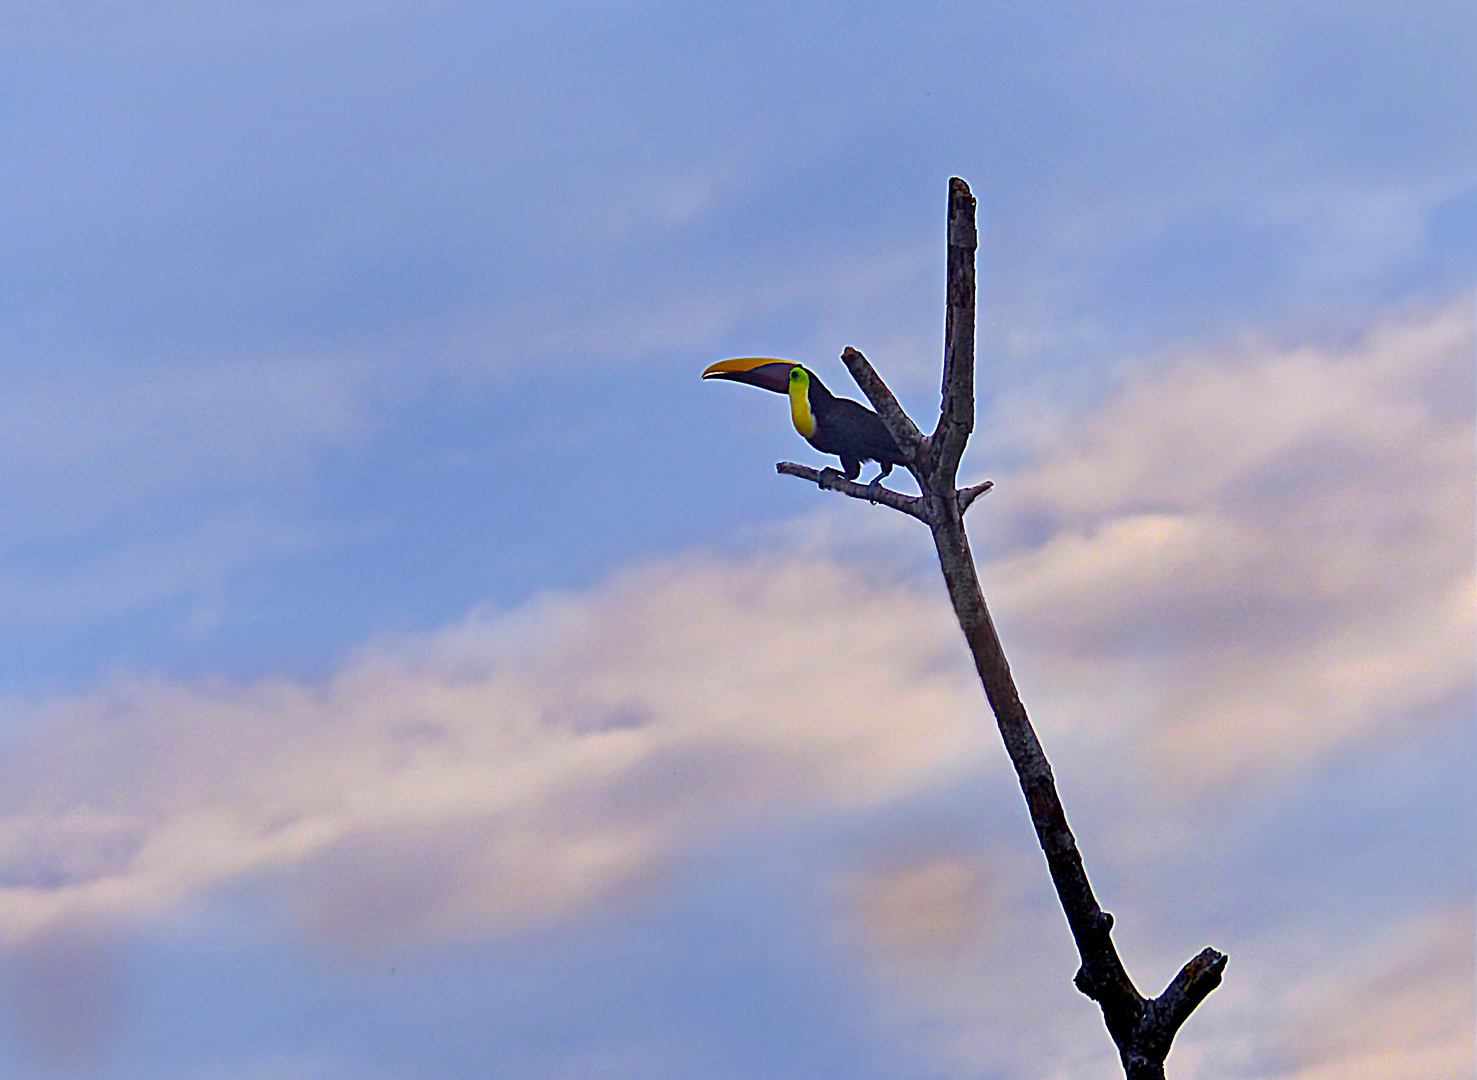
(832, 425)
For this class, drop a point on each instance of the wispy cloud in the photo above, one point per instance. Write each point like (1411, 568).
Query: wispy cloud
(374, 177)
(1241, 566)
(507, 771)
(129, 442)
(1400, 1007)
(1396, 1006)
(1237, 565)
(1263, 554)
(970, 967)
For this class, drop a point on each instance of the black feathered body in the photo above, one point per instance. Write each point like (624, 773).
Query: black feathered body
(851, 431)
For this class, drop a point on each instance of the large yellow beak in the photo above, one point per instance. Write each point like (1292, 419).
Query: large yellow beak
(766, 372)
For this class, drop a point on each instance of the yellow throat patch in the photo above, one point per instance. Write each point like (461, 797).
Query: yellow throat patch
(800, 402)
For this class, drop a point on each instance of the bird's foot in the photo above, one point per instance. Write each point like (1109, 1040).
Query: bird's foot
(828, 477)
(872, 490)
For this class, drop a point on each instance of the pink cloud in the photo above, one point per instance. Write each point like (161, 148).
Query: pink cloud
(507, 771)
(1255, 557)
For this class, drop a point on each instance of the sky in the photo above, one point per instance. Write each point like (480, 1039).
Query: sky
(410, 668)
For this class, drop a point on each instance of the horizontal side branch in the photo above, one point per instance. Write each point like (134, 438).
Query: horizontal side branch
(831, 480)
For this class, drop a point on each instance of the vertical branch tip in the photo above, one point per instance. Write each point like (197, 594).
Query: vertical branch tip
(956, 410)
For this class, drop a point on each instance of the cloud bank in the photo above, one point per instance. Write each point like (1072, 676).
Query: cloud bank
(506, 771)
(1240, 566)
(1251, 558)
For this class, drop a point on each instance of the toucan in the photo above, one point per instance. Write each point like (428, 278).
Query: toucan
(832, 425)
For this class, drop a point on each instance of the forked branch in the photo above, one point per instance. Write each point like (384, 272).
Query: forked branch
(1142, 1029)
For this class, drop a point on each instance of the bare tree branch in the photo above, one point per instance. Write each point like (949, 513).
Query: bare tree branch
(1142, 1029)
(1102, 976)
(831, 480)
(956, 411)
(912, 505)
(899, 425)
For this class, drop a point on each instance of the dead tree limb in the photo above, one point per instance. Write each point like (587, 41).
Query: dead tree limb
(1142, 1028)
(832, 480)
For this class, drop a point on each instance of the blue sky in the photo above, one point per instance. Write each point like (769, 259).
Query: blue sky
(408, 667)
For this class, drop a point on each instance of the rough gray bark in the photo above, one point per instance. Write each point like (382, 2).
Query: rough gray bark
(1142, 1028)
(832, 480)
